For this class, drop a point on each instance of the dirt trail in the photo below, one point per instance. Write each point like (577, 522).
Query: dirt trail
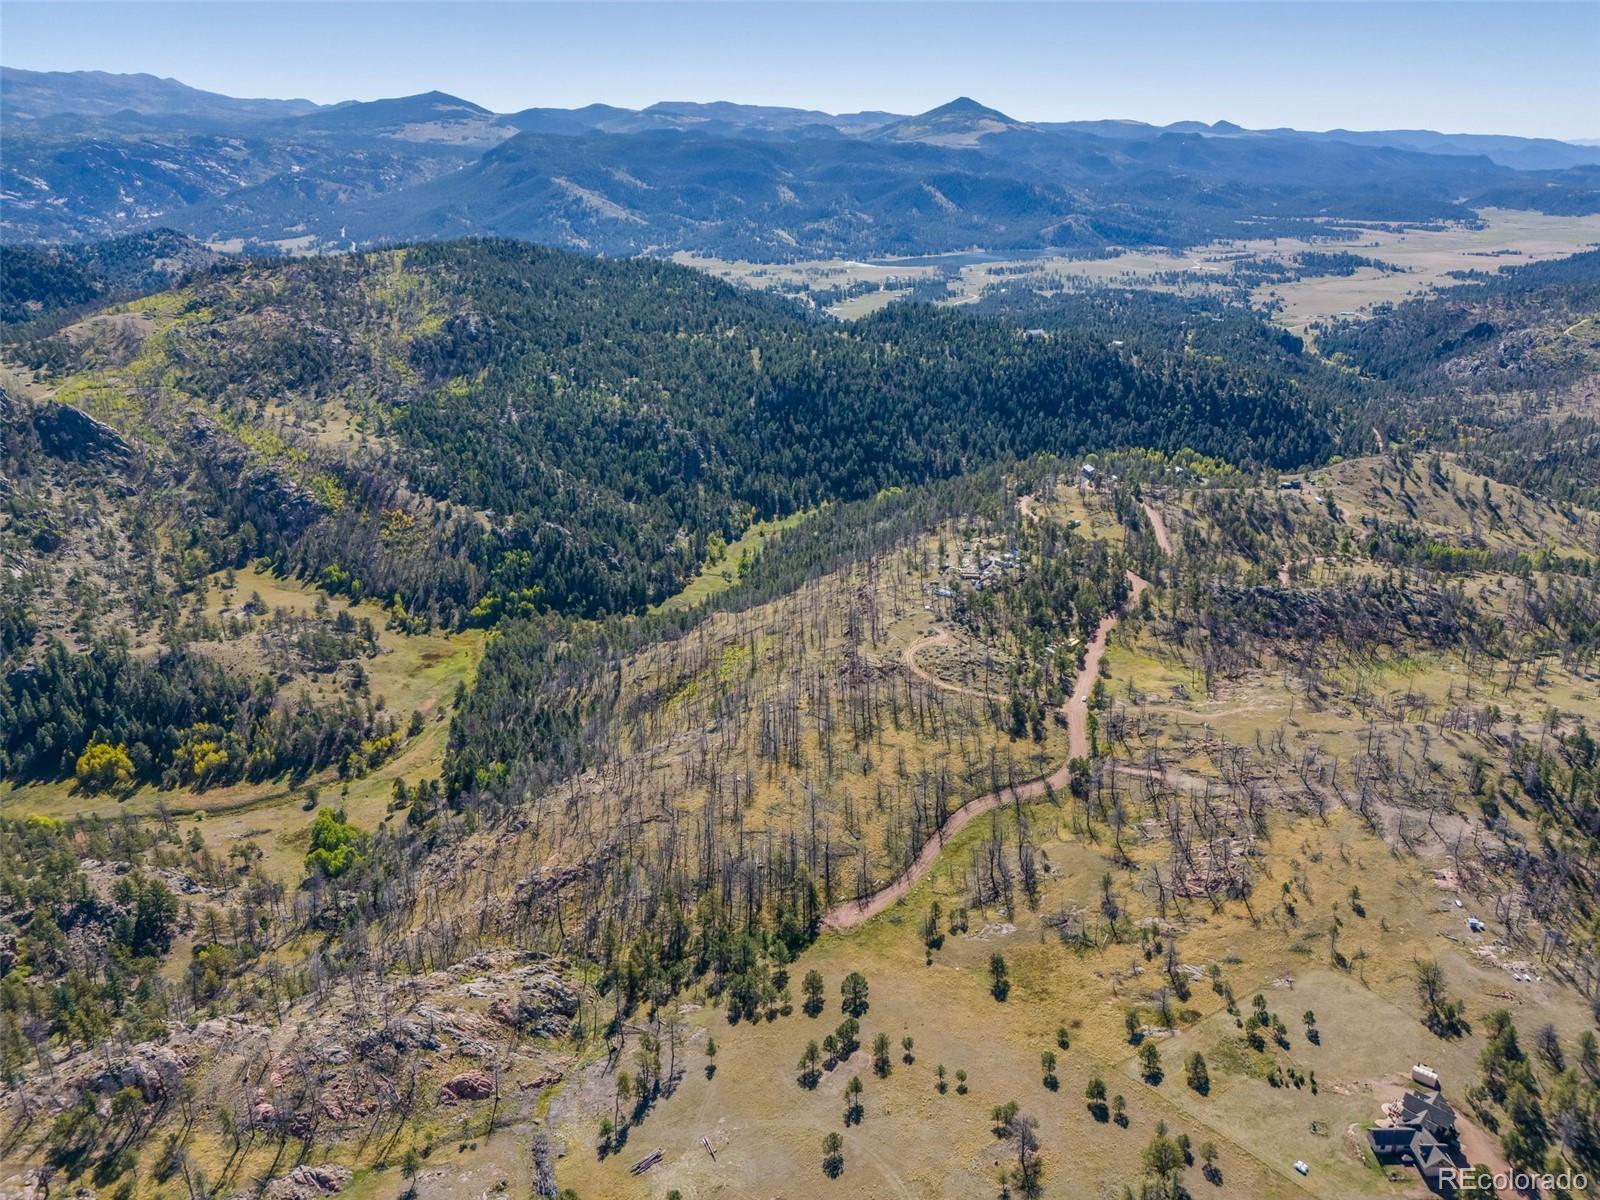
(1159, 525)
(908, 656)
(1076, 712)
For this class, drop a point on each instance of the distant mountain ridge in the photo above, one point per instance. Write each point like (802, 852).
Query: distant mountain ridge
(90, 155)
(33, 94)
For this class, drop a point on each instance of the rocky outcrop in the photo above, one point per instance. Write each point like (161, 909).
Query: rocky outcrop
(72, 434)
(305, 1182)
(269, 496)
(320, 1077)
(470, 1085)
(154, 1070)
(543, 1008)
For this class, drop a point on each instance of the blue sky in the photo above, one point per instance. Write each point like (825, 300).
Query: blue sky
(1525, 68)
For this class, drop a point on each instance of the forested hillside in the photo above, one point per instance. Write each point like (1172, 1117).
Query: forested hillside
(1501, 365)
(41, 282)
(379, 809)
(1527, 326)
(565, 433)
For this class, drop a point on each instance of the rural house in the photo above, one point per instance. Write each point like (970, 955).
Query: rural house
(1423, 1132)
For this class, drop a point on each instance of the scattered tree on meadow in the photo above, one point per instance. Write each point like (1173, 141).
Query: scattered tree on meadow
(1440, 1013)
(1150, 1062)
(854, 1110)
(1198, 1076)
(1000, 984)
(881, 1065)
(854, 992)
(810, 1065)
(1095, 1094)
(812, 987)
(832, 1155)
(1164, 1161)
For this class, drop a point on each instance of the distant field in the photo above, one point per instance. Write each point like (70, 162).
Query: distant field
(1428, 256)
(818, 275)
(1506, 238)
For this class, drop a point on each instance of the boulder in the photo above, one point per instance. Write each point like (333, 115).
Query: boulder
(305, 1182)
(470, 1085)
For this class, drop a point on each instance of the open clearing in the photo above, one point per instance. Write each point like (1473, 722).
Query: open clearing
(1425, 257)
(915, 1142)
(719, 574)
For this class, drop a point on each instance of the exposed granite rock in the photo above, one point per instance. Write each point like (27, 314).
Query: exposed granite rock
(304, 1182)
(72, 434)
(470, 1085)
(544, 1007)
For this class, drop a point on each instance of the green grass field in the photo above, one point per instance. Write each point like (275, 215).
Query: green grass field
(722, 573)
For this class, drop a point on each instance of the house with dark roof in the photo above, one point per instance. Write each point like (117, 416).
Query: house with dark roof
(1429, 1110)
(1422, 1136)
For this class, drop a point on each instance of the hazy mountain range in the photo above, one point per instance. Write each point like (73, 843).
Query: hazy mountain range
(89, 154)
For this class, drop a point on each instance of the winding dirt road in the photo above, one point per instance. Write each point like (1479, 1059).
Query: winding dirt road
(1076, 712)
(908, 657)
(1158, 524)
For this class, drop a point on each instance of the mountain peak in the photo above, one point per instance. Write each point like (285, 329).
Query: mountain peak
(966, 106)
(963, 122)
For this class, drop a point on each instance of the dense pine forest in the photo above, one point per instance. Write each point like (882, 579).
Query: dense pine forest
(44, 283)
(603, 419)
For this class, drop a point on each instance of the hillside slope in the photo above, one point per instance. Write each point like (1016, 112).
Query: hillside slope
(303, 885)
(489, 423)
